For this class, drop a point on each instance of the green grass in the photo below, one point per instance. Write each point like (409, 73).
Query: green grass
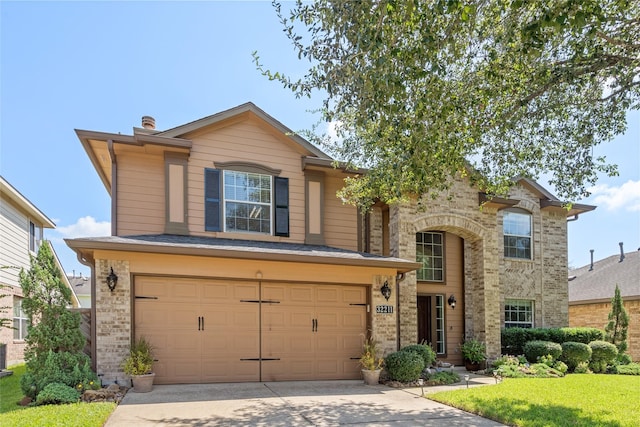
(76, 414)
(575, 400)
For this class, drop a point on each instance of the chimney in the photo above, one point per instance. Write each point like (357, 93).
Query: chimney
(621, 252)
(148, 122)
(591, 268)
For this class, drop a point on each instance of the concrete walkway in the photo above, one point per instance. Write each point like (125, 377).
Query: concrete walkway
(296, 403)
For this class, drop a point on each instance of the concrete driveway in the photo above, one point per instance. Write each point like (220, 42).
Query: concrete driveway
(299, 403)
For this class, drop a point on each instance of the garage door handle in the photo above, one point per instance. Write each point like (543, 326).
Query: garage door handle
(203, 323)
(199, 322)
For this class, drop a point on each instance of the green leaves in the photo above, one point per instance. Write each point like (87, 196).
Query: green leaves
(430, 90)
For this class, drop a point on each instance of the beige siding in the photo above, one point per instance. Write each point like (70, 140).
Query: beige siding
(340, 219)
(14, 242)
(141, 193)
(245, 141)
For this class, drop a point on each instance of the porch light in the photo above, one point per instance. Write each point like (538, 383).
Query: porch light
(452, 301)
(112, 280)
(385, 290)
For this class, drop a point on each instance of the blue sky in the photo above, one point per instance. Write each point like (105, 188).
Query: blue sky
(103, 65)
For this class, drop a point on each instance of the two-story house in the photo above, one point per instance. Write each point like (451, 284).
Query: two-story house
(231, 252)
(21, 234)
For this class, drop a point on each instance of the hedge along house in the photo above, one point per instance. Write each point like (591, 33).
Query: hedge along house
(234, 256)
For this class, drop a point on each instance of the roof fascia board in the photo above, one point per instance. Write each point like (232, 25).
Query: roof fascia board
(330, 164)
(13, 194)
(81, 244)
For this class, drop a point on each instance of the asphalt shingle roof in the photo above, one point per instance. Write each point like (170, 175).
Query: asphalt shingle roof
(600, 283)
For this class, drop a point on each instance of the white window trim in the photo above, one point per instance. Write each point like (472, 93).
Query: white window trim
(519, 324)
(20, 318)
(224, 204)
(530, 236)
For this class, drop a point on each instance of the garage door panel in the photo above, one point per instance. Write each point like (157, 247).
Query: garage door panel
(312, 330)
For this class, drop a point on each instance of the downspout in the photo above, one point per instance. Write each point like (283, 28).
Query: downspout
(114, 188)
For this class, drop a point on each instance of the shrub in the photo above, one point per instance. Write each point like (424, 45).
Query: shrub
(629, 369)
(582, 368)
(535, 349)
(514, 339)
(505, 360)
(574, 353)
(510, 371)
(560, 366)
(57, 393)
(624, 359)
(603, 354)
(423, 350)
(442, 378)
(70, 369)
(546, 360)
(404, 366)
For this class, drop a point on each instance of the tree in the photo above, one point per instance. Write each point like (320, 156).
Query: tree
(420, 91)
(54, 341)
(616, 329)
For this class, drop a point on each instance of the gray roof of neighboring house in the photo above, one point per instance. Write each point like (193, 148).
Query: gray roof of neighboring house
(599, 284)
(242, 249)
(81, 285)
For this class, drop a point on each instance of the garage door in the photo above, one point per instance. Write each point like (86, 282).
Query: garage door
(230, 331)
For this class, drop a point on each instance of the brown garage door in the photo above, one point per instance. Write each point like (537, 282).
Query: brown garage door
(230, 331)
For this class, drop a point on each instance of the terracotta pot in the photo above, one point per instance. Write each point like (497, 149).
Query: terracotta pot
(371, 377)
(143, 383)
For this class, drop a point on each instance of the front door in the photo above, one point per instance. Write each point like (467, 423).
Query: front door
(431, 321)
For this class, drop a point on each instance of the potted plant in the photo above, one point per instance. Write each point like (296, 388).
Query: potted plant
(474, 353)
(138, 365)
(370, 362)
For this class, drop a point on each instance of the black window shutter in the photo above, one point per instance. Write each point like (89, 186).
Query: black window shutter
(212, 203)
(281, 196)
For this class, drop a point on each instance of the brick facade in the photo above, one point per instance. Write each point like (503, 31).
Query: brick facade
(488, 275)
(595, 315)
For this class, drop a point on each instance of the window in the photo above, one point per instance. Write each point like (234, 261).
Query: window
(237, 201)
(440, 344)
(34, 237)
(517, 234)
(518, 313)
(20, 320)
(429, 252)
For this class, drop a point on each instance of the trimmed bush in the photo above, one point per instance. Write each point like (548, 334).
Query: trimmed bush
(57, 393)
(404, 366)
(514, 339)
(602, 354)
(574, 353)
(423, 350)
(442, 378)
(535, 349)
(582, 368)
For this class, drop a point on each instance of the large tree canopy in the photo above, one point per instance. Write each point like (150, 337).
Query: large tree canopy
(421, 90)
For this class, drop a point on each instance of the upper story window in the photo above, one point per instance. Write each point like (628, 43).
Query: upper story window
(518, 313)
(239, 201)
(517, 234)
(20, 320)
(34, 237)
(429, 252)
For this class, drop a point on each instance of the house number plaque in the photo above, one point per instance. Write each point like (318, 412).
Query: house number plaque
(384, 309)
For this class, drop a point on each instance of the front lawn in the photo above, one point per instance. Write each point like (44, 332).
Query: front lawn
(575, 400)
(77, 414)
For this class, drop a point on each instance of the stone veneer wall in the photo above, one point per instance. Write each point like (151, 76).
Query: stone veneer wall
(595, 315)
(113, 317)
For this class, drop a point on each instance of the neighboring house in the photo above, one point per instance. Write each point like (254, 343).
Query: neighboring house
(234, 256)
(592, 287)
(81, 287)
(21, 234)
